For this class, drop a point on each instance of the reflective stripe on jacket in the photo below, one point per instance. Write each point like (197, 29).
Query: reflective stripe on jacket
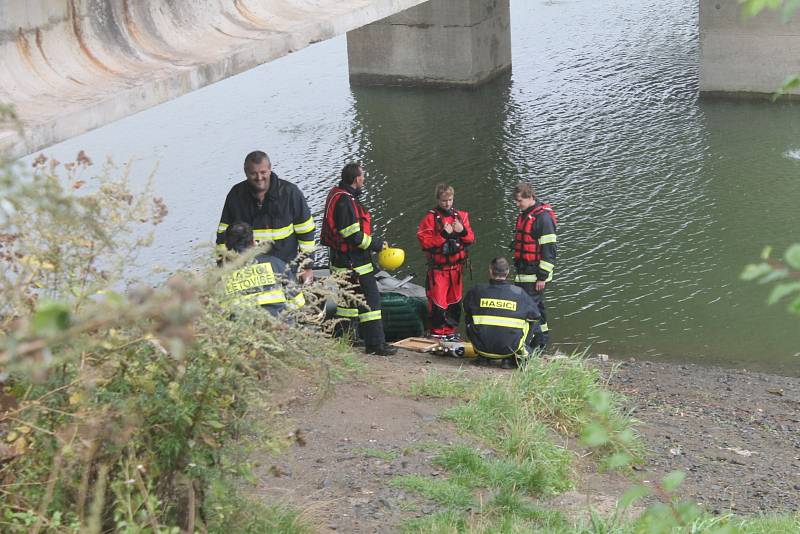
(263, 283)
(498, 316)
(534, 244)
(336, 236)
(347, 230)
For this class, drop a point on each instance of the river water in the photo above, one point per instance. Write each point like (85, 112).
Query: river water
(662, 197)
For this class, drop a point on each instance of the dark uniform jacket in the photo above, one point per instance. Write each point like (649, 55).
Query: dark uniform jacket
(544, 232)
(497, 318)
(284, 218)
(344, 216)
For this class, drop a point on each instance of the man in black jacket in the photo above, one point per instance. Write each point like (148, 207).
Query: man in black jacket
(275, 209)
(347, 230)
(499, 316)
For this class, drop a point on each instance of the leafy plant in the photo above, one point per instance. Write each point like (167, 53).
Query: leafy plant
(751, 8)
(125, 402)
(783, 274)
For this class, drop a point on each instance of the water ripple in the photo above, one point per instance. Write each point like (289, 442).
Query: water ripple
(661, 197)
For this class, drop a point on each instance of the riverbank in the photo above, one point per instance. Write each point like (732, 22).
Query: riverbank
(734, 433)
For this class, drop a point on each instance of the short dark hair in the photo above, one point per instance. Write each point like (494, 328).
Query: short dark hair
(350, 172)
(524, 190)
(239, 237)
(255, 157)
(499, 267)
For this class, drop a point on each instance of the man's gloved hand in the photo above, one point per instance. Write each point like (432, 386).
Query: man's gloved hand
(451, 246)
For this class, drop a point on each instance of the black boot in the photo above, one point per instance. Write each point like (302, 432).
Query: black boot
(481, 361)
(508, 363)
(382, 350)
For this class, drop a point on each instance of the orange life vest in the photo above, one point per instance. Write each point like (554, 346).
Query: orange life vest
(526, 248)
(330, 236)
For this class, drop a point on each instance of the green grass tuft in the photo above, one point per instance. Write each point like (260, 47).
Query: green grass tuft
(561, 393)
(441, 386)
(541, 465)
(444, 491)
(446, 522)
(769, 524)
(764, 524)
(471, 469)
(351, 362)
(231, 511)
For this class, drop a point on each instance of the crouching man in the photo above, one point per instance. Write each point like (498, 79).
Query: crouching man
(265, 282)
(499, 316)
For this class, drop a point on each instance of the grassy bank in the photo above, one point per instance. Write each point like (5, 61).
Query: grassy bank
(532, 425)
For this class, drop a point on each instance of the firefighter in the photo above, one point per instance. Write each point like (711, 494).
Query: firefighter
(499, 316)
(264, 282)
(347, 231)
(444, 234)
(275, 209)
(534, 248)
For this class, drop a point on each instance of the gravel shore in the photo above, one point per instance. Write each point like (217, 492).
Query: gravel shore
(735, 433)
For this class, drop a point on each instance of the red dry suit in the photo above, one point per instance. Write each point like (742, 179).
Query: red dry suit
(446, 255)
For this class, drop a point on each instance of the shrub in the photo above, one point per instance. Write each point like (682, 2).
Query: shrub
(123, 402)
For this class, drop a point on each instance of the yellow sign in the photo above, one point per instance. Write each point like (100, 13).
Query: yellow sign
(500, 304)
(251, 277)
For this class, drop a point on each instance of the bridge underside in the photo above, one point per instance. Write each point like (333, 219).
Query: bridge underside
(70, 66)
(441, 43)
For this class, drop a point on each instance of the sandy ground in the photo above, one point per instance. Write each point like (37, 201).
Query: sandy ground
(734, 433)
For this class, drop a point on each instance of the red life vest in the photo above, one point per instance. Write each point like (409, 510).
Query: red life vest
(330, 236)
(526, 248)
(435, 256)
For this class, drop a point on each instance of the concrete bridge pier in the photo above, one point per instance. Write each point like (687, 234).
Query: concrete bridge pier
(746, 58)
(438, 43)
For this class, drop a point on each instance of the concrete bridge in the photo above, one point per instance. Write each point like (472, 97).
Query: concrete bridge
(68, 66)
